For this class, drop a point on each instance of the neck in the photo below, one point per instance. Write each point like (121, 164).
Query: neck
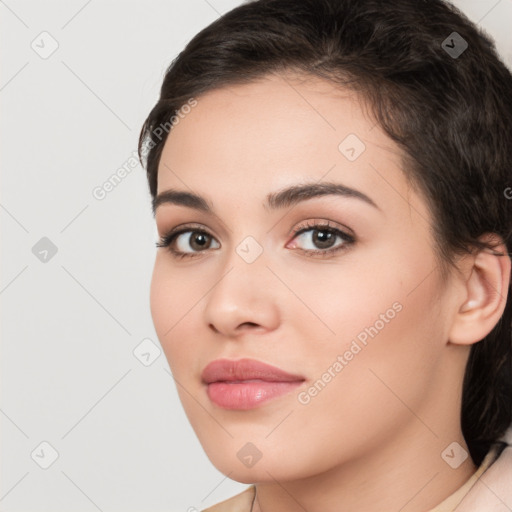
(404, 472)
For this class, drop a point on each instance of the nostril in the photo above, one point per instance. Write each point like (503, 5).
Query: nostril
(244, 325)
(249, 324)
(213, 328)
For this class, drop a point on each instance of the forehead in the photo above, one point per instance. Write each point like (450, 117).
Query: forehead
(250, 139)
(276, 115)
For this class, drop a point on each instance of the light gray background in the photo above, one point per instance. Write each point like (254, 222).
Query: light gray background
(70, 324)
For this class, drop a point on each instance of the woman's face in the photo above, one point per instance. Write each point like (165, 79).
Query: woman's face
(361, 325)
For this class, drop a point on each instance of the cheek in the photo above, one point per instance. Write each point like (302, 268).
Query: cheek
(385, 321)
(389, 338)
(352, 298)
(174, 305)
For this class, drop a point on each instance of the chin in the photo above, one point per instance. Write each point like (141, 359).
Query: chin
(266, 469)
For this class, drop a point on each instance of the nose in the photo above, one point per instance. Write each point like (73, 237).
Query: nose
(244, 298)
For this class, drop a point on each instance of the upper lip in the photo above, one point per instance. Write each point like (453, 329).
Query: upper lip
(222, 370)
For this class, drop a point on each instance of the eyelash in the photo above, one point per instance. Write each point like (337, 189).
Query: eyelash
(167, 239)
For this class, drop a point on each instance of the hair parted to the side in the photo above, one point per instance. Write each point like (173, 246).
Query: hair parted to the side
(451, 116)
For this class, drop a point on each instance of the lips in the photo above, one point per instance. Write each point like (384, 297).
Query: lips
(226, 370)
(246, 383)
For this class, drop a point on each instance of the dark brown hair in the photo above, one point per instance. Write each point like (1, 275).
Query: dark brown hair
(447, 106)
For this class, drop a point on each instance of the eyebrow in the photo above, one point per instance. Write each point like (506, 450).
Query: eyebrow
(274, 201)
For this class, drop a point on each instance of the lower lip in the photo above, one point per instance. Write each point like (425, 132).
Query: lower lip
(248, 394)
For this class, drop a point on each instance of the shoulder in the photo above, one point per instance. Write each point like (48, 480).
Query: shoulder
(493, 490)
(240, 503)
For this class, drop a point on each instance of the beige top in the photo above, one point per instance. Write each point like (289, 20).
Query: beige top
(243, 502)
(450, 503)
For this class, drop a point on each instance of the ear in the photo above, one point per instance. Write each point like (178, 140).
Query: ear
(484, 294)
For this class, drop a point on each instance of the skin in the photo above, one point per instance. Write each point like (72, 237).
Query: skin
(372, 438)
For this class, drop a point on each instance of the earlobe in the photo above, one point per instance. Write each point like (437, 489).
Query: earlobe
(486, 292)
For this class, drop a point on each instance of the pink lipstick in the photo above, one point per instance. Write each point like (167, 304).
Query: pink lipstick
(246, 383)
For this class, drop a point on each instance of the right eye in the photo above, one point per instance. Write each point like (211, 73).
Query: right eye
(180, 242)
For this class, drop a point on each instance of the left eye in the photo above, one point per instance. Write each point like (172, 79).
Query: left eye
(320, 238)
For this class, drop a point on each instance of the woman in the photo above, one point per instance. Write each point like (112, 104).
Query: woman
(331, 185)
